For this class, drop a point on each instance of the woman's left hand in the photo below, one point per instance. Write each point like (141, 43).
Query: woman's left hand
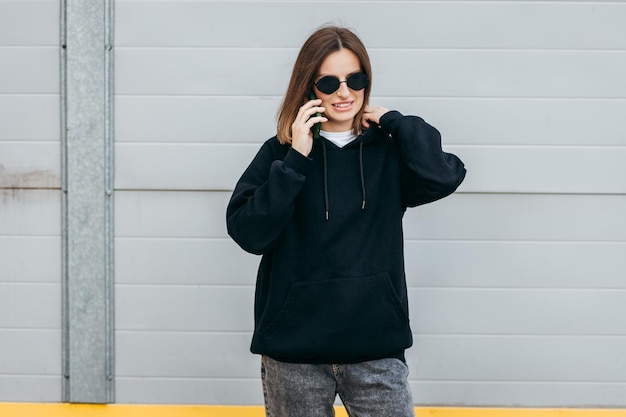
(373, 114)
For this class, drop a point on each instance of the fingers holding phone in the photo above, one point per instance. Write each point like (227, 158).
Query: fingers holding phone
(302, 129)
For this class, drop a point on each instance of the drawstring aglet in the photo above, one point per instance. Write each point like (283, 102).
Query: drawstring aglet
(326, 215)
(363, 205)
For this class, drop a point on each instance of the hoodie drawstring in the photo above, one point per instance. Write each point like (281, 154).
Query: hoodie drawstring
(361, 172)
(325, 180)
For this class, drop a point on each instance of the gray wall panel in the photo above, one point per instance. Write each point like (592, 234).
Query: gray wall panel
(42, 347)
(30, 217)
(480, 358)
(30, 212)
(184, 308)
(548, 394)
(474, 374)
(41, 17)
(184, 119)
(517, 311)
(524, 217)
(441, 311)
(206, 167)
(186, 355)
(504, 169)
(170, 214)
(498, 121)
(207, 390)
(186, 261)
(33, 117)
(30, 306)
(510, 264)
(431, 263)
(30, 388)
(416, 24)
(487, 358)
(29, 164)
(21, 70)
(510, 169)
(467, 121)
(450, 73)
(31, 259)
(520, 217)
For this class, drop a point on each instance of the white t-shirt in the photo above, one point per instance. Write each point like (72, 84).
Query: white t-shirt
(340, 139)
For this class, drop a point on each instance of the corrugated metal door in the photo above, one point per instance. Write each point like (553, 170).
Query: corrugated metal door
(516, 282)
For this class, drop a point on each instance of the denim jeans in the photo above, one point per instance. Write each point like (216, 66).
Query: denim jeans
(368, 389)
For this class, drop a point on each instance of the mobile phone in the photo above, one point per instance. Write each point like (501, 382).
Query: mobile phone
(317, 126)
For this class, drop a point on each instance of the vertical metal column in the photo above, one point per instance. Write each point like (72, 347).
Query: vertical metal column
(87, 203)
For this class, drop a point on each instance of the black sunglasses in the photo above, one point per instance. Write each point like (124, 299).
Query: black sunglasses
(329, 84)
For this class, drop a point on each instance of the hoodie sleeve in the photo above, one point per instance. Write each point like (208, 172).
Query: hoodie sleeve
(263, 200)
(427, 173)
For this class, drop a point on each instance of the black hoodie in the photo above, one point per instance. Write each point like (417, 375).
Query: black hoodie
(331, 286)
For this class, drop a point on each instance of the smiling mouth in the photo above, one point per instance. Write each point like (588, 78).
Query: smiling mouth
(342, 105)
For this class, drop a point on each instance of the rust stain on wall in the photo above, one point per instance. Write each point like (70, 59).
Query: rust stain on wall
(28, 180)
(27, 187)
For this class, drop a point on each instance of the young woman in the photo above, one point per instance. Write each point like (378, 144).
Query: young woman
(324, 208)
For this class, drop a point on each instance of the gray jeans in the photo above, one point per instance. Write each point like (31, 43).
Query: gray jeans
(368, 389)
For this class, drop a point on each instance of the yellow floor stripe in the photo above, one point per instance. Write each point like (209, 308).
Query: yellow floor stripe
(129, 410)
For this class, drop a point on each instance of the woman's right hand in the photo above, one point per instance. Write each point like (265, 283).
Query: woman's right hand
(301, 135)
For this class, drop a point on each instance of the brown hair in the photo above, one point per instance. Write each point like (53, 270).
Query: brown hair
(317, 47)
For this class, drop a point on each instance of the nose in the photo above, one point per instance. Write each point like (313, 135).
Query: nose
(343, 90)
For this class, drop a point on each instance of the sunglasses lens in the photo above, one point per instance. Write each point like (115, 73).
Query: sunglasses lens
(328, 84)
(357, 81)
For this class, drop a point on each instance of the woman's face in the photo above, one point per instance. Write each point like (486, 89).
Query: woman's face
(344, 104)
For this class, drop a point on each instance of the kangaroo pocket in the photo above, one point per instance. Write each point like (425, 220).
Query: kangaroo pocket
(340, 319)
